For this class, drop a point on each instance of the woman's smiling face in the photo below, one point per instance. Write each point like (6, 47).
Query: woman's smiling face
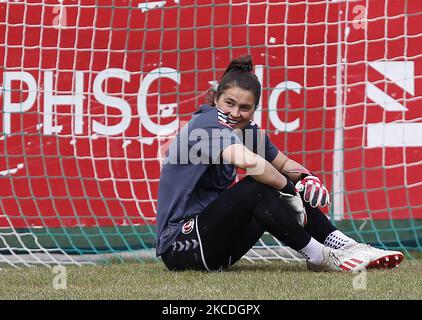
(238, 104)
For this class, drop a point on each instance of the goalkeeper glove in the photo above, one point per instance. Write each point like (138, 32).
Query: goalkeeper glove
(292, 197)
(313, 189)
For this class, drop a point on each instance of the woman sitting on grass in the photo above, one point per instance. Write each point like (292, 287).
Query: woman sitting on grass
(206, 223)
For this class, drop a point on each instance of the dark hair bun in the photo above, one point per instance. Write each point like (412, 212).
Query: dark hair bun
(239, 73)
(247, 67)
(243, 63)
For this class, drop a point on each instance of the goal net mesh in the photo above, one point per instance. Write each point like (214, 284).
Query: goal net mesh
(92, 92)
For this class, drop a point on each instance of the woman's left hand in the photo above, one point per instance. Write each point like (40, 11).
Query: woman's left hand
(314, 191)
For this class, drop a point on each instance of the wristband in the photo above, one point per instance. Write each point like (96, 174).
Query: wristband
(289, 188)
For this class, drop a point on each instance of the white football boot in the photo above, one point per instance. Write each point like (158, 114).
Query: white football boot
(341, 260)
(379, 258)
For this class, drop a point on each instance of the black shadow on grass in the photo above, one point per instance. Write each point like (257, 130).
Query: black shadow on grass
(265, 266)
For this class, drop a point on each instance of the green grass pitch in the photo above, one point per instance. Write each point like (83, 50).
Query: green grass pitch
(255, 281)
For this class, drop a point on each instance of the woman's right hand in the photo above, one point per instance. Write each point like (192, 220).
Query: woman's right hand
(293, 198)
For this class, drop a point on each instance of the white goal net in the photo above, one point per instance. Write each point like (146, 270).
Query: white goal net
(92, 91)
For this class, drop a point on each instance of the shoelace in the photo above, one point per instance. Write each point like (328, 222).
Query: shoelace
(363, 246)
(335, 259)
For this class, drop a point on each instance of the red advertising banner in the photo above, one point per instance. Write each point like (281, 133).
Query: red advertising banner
(91, 92)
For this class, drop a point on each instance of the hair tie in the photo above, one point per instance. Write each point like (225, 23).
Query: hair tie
(247, 67)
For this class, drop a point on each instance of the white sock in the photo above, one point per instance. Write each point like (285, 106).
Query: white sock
(313, 252)
(337, 239)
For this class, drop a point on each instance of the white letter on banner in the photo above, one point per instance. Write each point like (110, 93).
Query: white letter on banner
(118, 103)
(152, 127)
(259, 72)
(272, 106)
(10, 107)
(49, 101)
